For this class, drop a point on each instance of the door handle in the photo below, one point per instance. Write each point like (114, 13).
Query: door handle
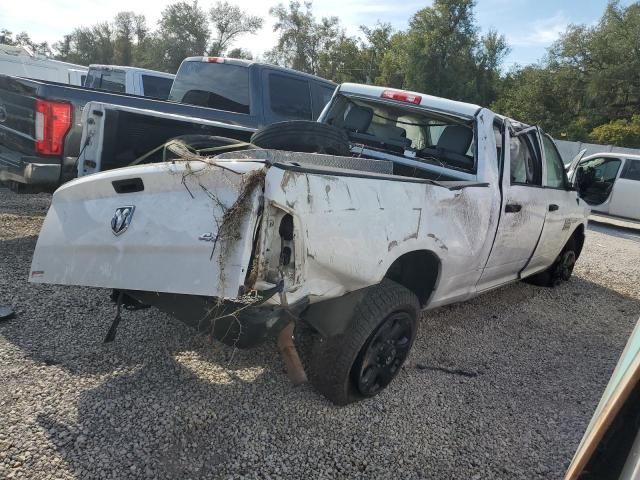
(553, 207)
(512, 208)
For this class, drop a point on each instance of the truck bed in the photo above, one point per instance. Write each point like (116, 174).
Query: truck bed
(18, 98)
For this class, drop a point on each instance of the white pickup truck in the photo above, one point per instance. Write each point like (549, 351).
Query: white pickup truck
(438, 201)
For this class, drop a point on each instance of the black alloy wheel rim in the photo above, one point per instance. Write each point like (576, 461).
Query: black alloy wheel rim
(384, 353)
(565, 266)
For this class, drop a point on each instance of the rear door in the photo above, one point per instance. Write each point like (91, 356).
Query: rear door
(625, 198)
(523, 209)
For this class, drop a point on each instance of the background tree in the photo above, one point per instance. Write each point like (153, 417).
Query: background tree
(130, 31)
(589, 79)
(440, 43)
(229, 23)
(377, 42)
(183, 32)
(624, 133)
(240, 53)
(296, 28)
(319, 47)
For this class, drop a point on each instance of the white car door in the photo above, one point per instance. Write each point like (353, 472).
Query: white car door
(561, 215)
(523, 209)
(625, 197)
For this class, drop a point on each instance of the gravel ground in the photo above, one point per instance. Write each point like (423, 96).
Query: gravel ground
(499, 387)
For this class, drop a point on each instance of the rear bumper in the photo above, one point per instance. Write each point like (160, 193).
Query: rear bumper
(228, 322)
(35, 170)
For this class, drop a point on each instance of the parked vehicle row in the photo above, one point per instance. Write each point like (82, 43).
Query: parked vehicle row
(415, 202)
(18, 61)
(41, 122)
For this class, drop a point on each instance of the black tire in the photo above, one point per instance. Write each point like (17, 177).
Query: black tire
(303, 136)
(338, 366)
(560, 271)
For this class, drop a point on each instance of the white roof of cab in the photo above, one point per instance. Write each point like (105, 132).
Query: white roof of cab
(132, 69)
(630, 156)
(440, 104)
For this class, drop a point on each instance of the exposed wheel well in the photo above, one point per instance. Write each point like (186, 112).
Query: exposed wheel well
(418, 271)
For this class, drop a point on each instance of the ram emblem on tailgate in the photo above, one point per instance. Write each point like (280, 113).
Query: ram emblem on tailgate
(121, 219)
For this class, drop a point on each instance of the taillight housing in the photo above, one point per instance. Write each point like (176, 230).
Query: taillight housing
(53, 121)
(213, 59)
(402, 96)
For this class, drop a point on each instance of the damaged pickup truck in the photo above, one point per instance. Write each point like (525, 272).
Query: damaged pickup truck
(415, 202)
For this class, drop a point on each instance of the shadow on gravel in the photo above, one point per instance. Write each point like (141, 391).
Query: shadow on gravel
(168, 405)
(502, 386)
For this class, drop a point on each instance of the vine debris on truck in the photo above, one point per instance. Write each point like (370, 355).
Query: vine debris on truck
(438, 201)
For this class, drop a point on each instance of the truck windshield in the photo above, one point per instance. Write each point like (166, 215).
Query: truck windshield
(110, 80)
(222, 86)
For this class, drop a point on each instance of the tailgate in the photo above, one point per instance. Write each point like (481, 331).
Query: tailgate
(17, 114)
(158, 234)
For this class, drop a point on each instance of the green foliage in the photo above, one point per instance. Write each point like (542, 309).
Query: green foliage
(589, 82)
(623, 133)
(586, 88)
(183, 31)
(23, 40)
(240, 53)
(229, 22)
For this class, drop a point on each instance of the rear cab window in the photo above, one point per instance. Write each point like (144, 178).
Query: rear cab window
(424, 138)
(156, 87)
(223, 86)
(107, 79)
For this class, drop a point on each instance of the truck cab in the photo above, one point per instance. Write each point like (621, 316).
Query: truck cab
(132, 80)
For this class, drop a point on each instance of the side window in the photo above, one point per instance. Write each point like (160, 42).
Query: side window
(524, 165)
(156, 87)
(322, 93)
(631, 170)
(553, 162)
(289, 97)
(497, 132)
(601, 169)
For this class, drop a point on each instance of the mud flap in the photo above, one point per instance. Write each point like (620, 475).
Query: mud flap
(331, 317)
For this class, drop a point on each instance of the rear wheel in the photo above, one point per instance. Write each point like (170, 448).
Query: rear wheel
(362, 361)
(303, 136)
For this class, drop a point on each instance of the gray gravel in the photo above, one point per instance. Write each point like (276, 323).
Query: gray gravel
(499, 387)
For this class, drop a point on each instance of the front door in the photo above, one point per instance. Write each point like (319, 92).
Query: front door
(625, 198)
(596, 179)
(523, 209)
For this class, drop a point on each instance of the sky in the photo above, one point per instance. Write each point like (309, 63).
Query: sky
(529, 25)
